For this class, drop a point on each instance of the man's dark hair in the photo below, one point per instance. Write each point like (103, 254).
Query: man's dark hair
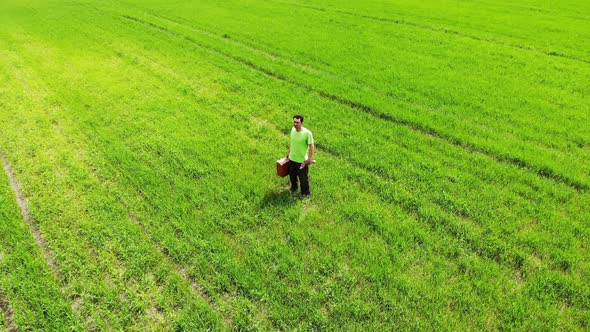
(300, 117)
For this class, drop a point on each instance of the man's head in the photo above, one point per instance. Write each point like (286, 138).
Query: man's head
(298, 122)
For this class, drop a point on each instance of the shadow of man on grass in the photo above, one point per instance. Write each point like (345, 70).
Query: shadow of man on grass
(277, 198)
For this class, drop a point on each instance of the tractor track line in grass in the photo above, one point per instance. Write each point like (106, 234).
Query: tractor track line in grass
(325, 72)
(22, 203)
(180, 269)
(541, 171)
(444, 30)
(182, 22)
(256, 48)
(178, 21)
(48, 255)
(444, 224)
(7, 312)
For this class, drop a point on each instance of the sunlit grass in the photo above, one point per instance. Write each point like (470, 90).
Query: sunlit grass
(144, 137)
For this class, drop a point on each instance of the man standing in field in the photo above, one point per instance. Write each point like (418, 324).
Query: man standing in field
(300, 155)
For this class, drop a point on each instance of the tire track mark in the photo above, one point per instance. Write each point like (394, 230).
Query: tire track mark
(540, 170)
(258, 49)
(452, 224)
(22, 202)
(195, 286)
(443, 30)
(73, 298)
(247, 45)
(7, 312)
(244, 44)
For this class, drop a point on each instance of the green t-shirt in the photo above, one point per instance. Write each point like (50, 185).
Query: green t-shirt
(300, 141)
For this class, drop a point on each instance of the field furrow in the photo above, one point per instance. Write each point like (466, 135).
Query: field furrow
(30, 298)
(21, 201)
(7, 317)
(440, 30)
(182, 271)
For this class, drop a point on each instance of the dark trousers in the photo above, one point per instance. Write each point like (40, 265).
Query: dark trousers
(301, 174)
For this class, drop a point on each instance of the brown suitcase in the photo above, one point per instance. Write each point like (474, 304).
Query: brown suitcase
(283, 167)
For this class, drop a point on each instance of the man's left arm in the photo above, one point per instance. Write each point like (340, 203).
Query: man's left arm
(310, 154)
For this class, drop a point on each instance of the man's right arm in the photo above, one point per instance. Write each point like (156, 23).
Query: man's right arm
(289, 149)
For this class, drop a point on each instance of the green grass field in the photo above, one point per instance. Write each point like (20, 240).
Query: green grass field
(138, 142)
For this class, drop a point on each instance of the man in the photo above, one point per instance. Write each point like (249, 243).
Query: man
(300, 155)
